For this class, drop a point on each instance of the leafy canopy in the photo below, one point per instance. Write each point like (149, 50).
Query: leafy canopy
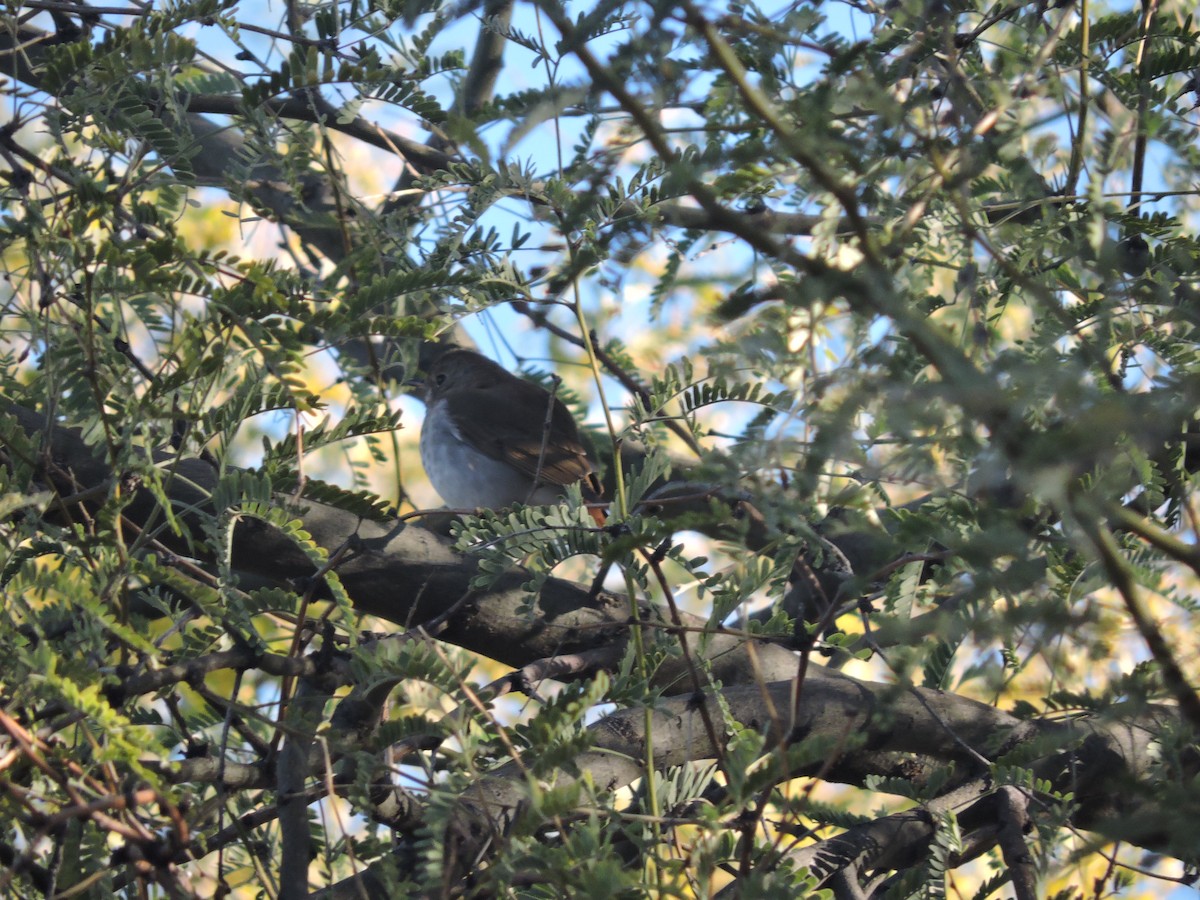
(888, 311)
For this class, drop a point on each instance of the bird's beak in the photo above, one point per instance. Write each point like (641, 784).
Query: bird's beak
(416, 388)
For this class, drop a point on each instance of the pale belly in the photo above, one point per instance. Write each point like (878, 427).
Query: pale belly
(466, 478)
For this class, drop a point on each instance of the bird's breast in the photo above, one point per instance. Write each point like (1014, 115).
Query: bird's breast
(466, 477)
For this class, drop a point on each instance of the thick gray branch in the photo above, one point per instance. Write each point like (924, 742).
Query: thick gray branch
(868, 719)
(410, 575)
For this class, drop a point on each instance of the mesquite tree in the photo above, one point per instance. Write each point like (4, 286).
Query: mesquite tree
(882, 320)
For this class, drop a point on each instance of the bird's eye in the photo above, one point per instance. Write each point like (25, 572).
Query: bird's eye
(441, 378)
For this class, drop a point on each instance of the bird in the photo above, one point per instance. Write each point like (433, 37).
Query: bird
(491, 439)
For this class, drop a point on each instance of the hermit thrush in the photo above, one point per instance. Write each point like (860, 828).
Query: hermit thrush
(491, 439)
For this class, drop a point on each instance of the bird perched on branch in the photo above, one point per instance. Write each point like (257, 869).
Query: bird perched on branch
(491, 439)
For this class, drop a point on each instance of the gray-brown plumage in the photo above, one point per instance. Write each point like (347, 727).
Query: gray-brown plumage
(491, 439)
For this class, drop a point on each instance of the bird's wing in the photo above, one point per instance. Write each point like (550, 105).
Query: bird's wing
(518, 433)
